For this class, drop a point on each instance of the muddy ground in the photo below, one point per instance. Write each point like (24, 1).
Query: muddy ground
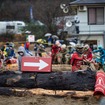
(46, 100)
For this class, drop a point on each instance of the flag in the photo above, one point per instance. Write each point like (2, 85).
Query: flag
(31, 13)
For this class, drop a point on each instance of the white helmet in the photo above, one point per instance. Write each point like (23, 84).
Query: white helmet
(86, 47)
(63, 46)
(58, 43)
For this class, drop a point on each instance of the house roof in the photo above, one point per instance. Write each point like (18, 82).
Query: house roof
(87, 2)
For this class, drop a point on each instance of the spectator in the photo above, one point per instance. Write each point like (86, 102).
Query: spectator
(56, 48)
(26, 46)
(11, 52)
(5, 49)
(62, 54)
(22, 52)
(36, 49)
(50, 40)
(41, 49)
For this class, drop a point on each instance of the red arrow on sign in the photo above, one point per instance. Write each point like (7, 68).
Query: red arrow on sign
(41, 64)
(36, 64)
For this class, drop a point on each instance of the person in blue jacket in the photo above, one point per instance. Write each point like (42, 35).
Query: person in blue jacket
(26, 46)
(101, 54)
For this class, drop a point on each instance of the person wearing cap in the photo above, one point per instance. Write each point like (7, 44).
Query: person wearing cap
(10, 54)
(22, 52)
(88, 57)
(87, 53)
(56, 48)
(61, 58)
(77, 59)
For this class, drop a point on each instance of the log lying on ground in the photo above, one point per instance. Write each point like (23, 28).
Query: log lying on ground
(64, 80)
(82, 80)
(72, 93)
(61, 67)
(38, 91)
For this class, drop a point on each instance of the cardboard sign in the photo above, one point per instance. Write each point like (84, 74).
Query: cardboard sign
(31, 38)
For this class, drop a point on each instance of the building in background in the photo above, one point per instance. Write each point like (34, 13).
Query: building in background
(91, 26)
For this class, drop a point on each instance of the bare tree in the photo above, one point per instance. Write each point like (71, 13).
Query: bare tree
(14, 11)
(47, 10)
(43, 10)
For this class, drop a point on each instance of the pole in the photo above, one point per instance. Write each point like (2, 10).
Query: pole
(31, 14)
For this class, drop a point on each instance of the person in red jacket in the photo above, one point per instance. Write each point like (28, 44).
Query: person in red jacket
(77, 59)
(87, 55)
(56, 48)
